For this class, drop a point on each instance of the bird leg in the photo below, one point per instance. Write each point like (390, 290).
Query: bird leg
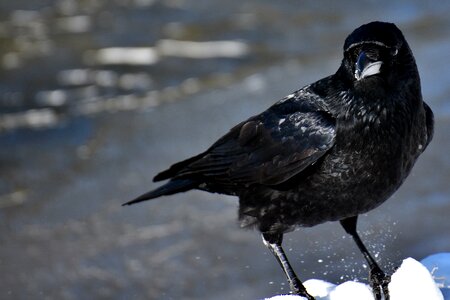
(376, 276)
(273, 242)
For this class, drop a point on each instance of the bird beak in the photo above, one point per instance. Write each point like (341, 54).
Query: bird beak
(366, 67)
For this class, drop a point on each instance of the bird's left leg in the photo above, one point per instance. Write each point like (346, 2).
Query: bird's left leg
(273, 242)
(377, 277)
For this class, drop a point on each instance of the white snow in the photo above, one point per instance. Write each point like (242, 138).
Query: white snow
(412, 281)
(319, 288)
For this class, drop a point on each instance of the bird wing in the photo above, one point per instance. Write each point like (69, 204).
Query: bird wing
(266, 149)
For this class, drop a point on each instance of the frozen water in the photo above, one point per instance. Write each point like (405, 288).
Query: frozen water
(439, 266)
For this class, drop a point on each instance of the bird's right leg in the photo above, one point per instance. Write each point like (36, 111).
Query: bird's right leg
(377, 277)
(273, 242)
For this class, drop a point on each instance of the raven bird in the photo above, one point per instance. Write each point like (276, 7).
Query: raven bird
(328, 152)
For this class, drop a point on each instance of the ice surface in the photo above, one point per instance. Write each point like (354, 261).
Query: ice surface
(412, 281)
(439, 266)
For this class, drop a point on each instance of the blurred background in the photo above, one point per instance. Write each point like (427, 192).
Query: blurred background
(98, 96)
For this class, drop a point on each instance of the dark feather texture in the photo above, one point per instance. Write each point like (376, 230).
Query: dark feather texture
(336, 148)
(329, 151)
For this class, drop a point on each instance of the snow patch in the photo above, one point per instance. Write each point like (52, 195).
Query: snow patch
(350, 290)
(319, 288)
(412, 281)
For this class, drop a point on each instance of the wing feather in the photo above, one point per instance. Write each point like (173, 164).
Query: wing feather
(269, 148)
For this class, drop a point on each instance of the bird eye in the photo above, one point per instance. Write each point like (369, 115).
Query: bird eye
(394, 52)
(373, 55)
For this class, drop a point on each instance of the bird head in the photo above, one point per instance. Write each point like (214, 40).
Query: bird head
(377, 50)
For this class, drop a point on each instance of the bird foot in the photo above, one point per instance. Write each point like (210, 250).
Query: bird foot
(297, 288)
(303, 294)
(379, 283)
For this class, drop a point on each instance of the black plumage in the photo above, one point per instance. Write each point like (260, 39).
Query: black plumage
(328, 152)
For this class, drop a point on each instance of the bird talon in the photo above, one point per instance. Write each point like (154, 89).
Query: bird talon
(385, 285)
(379, 282)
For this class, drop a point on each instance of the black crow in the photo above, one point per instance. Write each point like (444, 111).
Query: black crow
(330, 151)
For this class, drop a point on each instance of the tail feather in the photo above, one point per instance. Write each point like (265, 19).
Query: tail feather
(172, 187)
(176, 168)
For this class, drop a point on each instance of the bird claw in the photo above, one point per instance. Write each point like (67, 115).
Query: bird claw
(379, 283)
